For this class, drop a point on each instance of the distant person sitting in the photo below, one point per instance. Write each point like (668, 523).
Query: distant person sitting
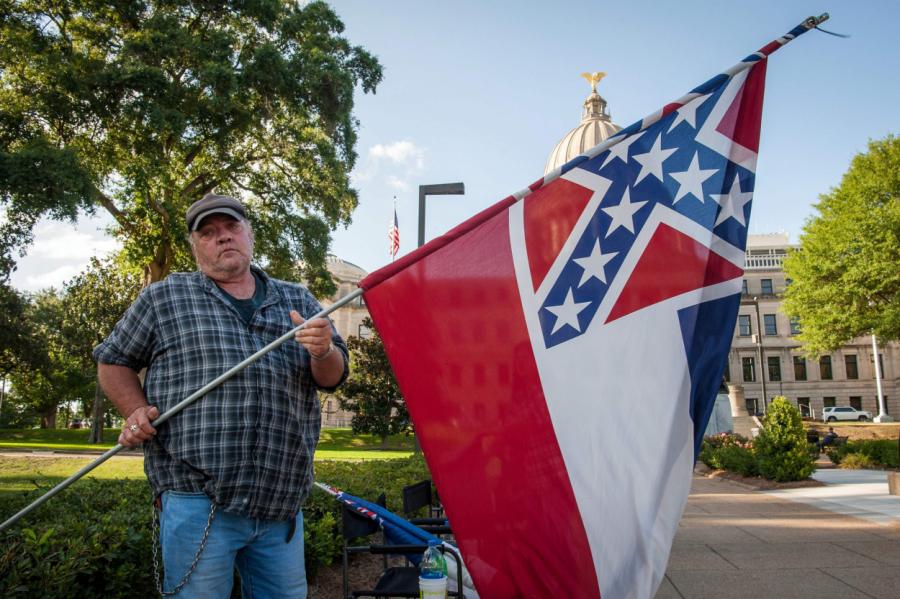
(828, 439)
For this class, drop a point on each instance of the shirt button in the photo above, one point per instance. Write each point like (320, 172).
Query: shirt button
(244, 500)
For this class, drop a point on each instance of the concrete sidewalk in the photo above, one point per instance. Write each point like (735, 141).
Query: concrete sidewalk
(736, 542)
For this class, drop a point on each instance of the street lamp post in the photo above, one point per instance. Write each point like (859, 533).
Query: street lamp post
(435, 190)
(759, 351)
(882, 416)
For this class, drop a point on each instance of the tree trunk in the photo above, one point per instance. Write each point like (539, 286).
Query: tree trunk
(48, 418)
(384, 440)
(97, 417)
(160, 266)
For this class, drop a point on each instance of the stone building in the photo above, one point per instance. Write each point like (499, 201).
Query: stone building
(845, 377)
(348, 321)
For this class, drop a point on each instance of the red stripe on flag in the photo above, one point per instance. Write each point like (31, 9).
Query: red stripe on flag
(550, 214)
(455, 334)
(669, 108)
(672, 264)
(743, 118)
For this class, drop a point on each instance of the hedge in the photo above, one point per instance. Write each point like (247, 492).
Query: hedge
(94, 539)
(880, 453)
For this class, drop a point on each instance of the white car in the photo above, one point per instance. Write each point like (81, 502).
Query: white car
(845, 413)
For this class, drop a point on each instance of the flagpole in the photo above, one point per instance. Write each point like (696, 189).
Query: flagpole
(179, 407)
(811, 22)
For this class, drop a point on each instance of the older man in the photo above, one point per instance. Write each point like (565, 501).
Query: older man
(231, 471)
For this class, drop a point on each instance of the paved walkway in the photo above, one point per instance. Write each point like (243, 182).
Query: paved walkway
(839, 541)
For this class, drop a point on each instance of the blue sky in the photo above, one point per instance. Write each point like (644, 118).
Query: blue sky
(480, 92)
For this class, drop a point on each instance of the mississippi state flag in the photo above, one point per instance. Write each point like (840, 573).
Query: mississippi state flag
(560, 352)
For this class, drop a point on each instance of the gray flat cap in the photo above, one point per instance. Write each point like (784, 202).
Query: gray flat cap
(213, 204)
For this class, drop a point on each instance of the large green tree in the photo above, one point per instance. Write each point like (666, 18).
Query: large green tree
(371, 392)
(93, 303)
(138, 108)
(846, 273)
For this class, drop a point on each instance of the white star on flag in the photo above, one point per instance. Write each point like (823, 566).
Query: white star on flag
(688, 113)
(691, 180)
(567, 313)
(652, 161)
(620, 150)
(594, 265)
(623, 214)
(732, 203)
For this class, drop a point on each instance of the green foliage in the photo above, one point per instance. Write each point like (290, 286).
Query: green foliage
(882, 453)
(93, 540)
(731, 452)
(781, 448)
(856, 461)
(371, 392)
(845, 280)
(139, 108)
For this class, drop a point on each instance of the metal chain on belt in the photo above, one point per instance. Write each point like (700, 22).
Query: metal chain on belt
(157, 576)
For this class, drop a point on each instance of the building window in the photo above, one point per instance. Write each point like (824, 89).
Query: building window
(744, 325)
(752, 405)
(766, 287)
(856, 402)
(852, 367)
(885, 398)
(748, 365)
(774, 364)
(880, 365)
(825, 368)
(788, 281)
(744, 290)
(769, 324)
(803, 406)
(829, 402)
(799, 368)
(795, 326)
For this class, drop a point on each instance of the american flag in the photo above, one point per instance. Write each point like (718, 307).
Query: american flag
(394, 236)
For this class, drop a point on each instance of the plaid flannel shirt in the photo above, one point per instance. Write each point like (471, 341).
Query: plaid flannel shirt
(249, 443)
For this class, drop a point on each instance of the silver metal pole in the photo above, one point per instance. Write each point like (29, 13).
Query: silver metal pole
(178, 408)
(882, 416)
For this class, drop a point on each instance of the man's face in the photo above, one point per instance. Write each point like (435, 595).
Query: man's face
(223, 247)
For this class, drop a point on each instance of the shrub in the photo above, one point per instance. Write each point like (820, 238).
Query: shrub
(878, 453)
(856, 461)
(94, 539)
(781, 447)
(728, 451)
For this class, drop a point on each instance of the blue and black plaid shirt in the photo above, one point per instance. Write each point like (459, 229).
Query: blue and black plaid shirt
(249, 443)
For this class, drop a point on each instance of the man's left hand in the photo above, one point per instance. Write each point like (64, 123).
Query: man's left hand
(315, 336)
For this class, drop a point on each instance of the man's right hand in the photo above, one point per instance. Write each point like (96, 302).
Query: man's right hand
(137, 428)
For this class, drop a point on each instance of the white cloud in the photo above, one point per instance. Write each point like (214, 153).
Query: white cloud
(56, 241)
(405, 153)
(53, 278)
(396, 163)
(397, 183)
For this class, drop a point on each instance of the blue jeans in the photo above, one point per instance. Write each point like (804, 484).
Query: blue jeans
(269, 566)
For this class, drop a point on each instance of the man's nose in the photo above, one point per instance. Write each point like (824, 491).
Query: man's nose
(224, 235)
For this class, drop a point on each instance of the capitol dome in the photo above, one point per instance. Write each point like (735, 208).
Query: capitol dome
(595, 127)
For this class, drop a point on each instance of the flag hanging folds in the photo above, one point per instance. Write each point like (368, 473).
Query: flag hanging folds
(560, 352)
(394, 235)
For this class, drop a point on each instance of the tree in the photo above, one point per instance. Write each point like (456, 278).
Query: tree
(371, 392)
(140, 107)
(57, 376)
(94, 302)
(845, 275)
(781, 447)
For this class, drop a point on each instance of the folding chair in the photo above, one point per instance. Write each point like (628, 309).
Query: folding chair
(419, 495)
(394, 581)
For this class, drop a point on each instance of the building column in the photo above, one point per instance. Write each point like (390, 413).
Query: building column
(737, 400)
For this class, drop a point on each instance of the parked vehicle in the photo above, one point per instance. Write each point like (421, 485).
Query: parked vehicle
(78, 423)
(845, 413)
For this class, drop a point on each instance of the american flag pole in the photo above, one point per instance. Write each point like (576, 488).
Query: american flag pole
(394, 234)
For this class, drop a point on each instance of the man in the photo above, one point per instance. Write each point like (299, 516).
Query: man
(828, 439)
(231, 470)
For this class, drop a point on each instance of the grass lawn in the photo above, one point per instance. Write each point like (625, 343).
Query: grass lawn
(19, 473)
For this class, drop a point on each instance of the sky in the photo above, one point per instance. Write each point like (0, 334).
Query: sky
(480, 92)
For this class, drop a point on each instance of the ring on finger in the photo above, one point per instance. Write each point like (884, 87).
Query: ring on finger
(133, 428)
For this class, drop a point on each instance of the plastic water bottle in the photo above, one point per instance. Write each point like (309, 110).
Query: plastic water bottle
(433, 572)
